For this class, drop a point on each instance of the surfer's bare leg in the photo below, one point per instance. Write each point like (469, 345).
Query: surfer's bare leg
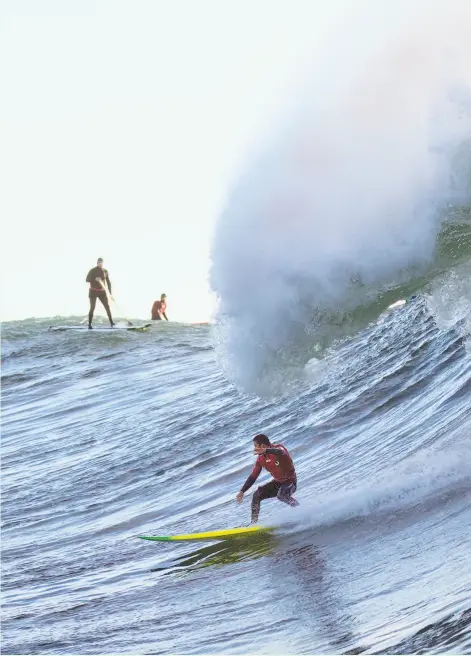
(285, 493)
(268, 491)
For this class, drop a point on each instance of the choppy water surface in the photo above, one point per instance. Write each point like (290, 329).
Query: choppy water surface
(109, 436)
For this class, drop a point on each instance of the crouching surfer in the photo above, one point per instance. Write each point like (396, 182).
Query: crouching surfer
(277, 461)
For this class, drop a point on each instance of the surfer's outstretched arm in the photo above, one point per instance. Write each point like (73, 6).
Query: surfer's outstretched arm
(250, 481)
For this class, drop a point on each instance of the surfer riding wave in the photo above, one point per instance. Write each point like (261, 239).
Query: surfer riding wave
(276, 459)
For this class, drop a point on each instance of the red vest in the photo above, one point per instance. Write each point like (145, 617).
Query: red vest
(280, 467)
(159, 306)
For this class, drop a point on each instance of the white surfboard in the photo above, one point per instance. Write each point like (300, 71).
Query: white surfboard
(101, 329)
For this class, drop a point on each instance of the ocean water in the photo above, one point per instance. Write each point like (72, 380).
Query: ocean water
(111, 436)
(358, 198)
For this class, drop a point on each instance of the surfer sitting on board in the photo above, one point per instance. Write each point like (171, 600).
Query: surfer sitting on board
(276, 460)
(158, 309)
(99, 281)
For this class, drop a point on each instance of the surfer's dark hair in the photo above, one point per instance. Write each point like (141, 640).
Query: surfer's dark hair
(261, 439)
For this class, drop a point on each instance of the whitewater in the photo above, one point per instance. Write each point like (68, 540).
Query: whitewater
(345, 196)
(355, 197)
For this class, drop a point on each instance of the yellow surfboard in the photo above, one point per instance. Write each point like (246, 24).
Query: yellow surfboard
(228, 534)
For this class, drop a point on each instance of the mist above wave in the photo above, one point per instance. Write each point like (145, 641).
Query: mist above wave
(346, 197)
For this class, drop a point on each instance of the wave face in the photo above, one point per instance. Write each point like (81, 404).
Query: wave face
(349, 198)
(109, 436)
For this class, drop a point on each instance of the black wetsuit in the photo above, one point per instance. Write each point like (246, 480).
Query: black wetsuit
(97, 291)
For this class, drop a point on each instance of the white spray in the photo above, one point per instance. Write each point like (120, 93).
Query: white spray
(349, 188)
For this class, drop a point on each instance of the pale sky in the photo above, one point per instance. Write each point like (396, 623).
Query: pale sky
(122, 125)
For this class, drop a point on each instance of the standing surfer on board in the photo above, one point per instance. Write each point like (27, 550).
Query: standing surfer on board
(158, 309)
(99, 284)
(276, 460)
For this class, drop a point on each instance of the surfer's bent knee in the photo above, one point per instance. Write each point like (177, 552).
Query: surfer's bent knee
(257, 495)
